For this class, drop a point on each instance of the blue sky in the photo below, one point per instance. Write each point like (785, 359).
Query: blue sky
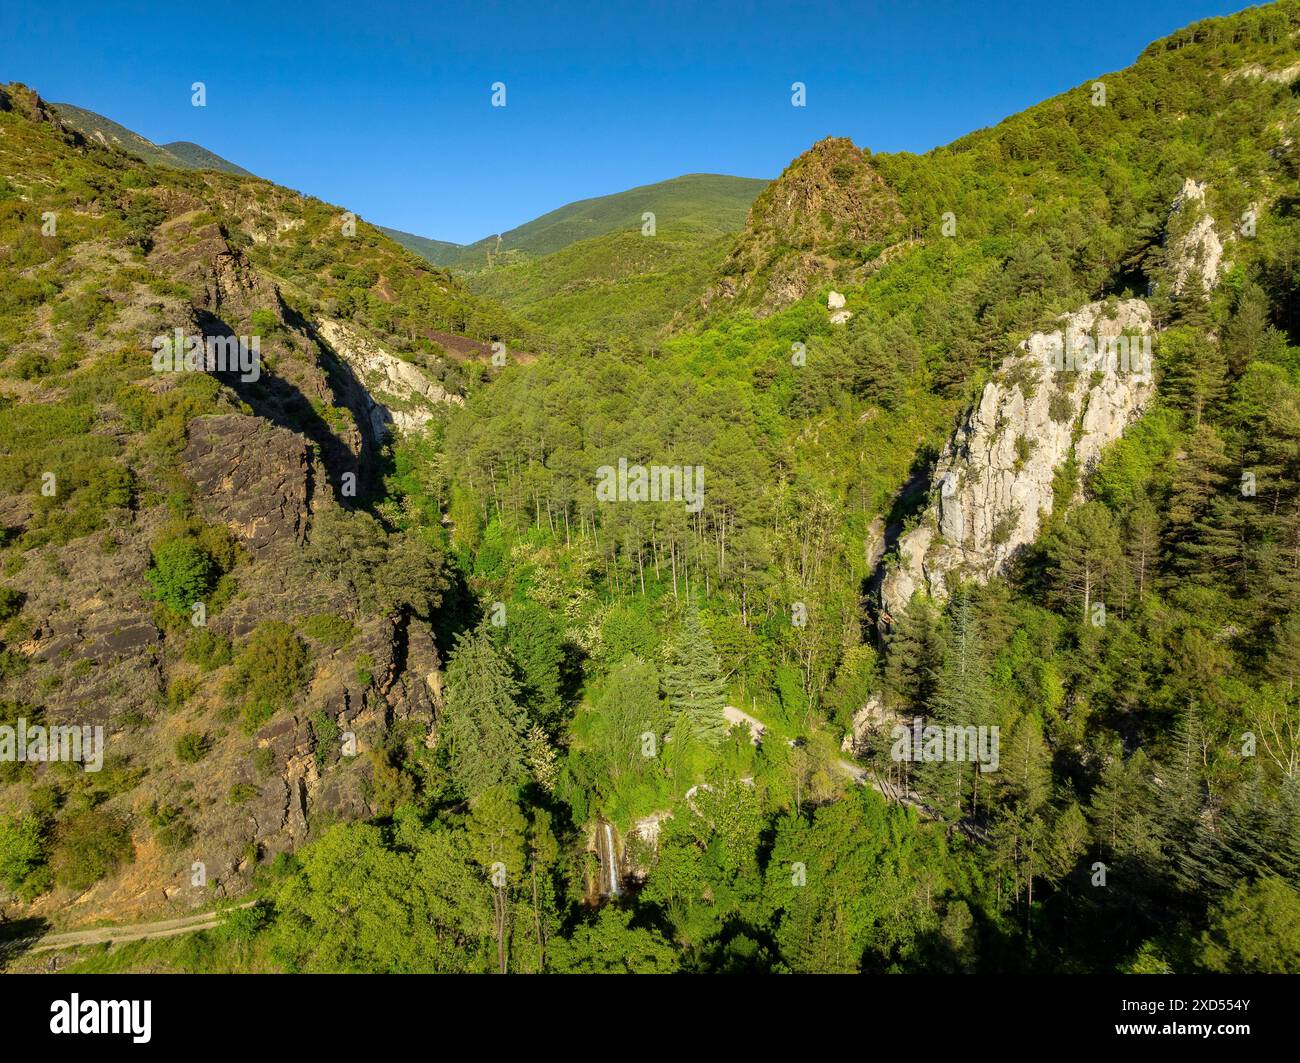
(385, 108)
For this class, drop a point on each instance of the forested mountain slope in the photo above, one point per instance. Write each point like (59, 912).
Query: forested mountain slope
(703, 203)
(570, 793)
(613, 269)
(131, 496)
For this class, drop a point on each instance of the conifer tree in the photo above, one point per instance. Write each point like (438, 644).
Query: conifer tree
(483, 725)
(963, 698)
(693, 679)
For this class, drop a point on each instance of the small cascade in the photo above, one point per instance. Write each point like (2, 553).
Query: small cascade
(610, 884)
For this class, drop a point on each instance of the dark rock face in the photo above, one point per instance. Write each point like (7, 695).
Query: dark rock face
(254, 477)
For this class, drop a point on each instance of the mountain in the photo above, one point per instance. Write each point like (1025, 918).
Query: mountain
(180, 154)
(702, 203)
(830, 206)
(206, 489)
(621, 286)
(439, 252)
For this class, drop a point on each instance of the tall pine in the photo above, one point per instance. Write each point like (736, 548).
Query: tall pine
(693, 679)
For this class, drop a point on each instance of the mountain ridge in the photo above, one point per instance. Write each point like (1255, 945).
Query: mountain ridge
(706, 202)
(179, 154)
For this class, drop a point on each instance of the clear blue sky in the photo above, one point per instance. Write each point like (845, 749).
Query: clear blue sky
(384, 108)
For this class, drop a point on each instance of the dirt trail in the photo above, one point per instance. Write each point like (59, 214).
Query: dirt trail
(186, 924)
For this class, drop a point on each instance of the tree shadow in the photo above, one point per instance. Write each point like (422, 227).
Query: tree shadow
(19, 936)
(279, 401)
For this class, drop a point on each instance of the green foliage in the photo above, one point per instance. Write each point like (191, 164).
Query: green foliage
(23, 855)
(208, 649)
(241, 792)
(88, 846)
(483, 722)
(192, 747)
(1255, 931)
(1121, 730)
(609, 944)
(181, 574)
(693, 679)
(270, 670)
(170, 825)
(536, 643)
(422, 907)
(329, 629)
(325, 733)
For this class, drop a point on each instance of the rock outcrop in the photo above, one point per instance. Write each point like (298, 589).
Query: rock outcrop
(253, 477)
(835, 304)
(1067, 392)
(1193, 247)
(397, 393)
(806, 227)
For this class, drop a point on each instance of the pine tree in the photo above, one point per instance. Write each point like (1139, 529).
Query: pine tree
(963, 698)
(1143, 552)
(1084, 551)
(1198, 477)
(1195, 372)
(482, 722)
(693, 679)
(915, 656)
(1186, 845)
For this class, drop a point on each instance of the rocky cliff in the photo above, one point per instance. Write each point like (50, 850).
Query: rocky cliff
(244, 471)
(1061, 398)
(809, 226)
(1064, 394)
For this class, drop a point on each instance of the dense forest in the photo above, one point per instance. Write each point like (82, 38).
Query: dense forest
(576, 798)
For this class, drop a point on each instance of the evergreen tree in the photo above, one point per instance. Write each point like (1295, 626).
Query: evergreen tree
(915, 656)
(1197, 478)
(482, 723)
(1084, 552)
(963, 698)
(693, 679)
(497, 830)
(1195, 372)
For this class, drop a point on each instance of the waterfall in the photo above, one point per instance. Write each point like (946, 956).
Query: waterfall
(611, 854)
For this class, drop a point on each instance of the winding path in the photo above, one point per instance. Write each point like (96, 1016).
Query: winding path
(186, 924)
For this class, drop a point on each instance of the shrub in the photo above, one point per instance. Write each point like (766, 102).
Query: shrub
(181, 575)
(244, 924)
(192, 747)
(208, 649)
(10, 602)
(241, 792)
(180, 690)
(264, 761)
(365, 670)
(272, 666)
(329, 630)
(1060, 408)
(264, 322)
(256, 712)
(326, 732)
(88, 846)
(170, 826)
(31, 366)
(22, 856)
